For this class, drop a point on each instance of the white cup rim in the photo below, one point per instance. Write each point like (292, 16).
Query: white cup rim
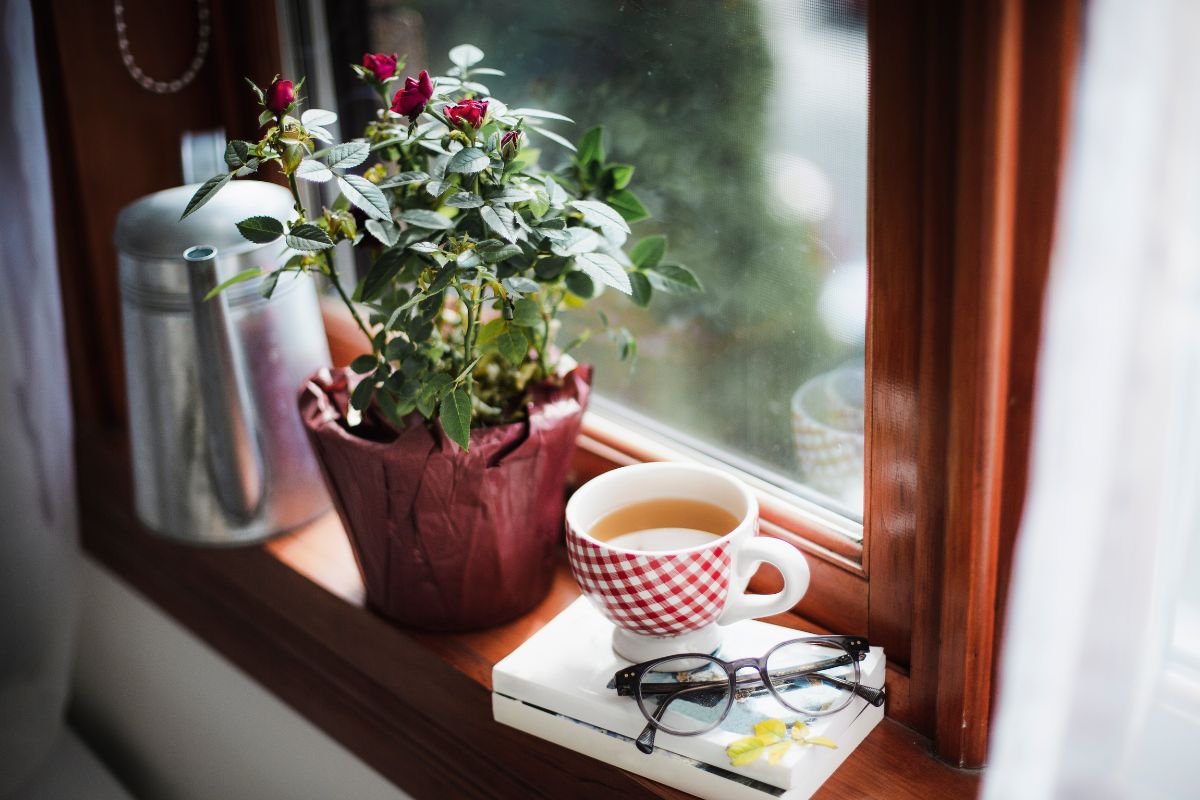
(599, 482)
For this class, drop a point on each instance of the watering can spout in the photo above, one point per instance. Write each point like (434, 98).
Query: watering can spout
(234, 455)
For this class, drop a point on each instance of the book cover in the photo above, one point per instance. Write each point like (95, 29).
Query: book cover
(557, 685)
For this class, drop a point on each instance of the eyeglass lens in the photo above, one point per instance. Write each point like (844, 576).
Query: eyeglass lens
(813, 678)
(698, 696)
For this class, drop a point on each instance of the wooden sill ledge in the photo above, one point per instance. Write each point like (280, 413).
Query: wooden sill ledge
(414, 706)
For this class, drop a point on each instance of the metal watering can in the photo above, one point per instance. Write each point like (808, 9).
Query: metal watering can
(219, 454)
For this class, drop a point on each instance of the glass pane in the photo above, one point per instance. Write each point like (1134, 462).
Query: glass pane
(748, 125)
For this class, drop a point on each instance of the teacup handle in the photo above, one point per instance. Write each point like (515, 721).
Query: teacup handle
(791, 565)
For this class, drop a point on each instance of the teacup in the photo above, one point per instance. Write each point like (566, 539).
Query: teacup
(671, 595)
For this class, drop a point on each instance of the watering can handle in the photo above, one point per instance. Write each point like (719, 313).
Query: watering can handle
(235, 461)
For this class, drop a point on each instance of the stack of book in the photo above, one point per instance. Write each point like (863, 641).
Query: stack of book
(557, 686)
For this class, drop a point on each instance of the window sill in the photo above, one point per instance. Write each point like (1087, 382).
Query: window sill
(414, 706)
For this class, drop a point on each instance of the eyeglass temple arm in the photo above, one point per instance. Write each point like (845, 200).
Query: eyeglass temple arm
(645, 740)
(875, 697)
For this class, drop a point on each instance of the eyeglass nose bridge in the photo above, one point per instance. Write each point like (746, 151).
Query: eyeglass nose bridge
(748, 663)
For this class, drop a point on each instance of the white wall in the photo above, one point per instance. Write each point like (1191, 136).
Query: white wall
(176, 721)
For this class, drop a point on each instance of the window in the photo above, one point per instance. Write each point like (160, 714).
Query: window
(958, 269)
(763, 371)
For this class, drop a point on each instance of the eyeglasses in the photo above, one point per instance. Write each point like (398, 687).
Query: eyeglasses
(692, 693)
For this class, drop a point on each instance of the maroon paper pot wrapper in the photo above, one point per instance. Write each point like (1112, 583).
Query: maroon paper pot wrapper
(447, 539)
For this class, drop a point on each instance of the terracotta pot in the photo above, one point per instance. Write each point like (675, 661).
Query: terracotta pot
(447, 539)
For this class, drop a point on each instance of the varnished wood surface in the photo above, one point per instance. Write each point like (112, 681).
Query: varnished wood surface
(413, 705)
(968, 103)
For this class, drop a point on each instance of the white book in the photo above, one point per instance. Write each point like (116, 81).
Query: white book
(557, 686)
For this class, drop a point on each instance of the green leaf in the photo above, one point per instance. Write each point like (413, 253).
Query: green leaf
(552, 136)
(620, 174)
(465, 56)
(313, 170)
(554, 191)
(424, 247)
(496, 221)
(244, 275)
(513, 345)
(522, 285)
(469, 259)
(626, 202)
(268, 285)
(442, 279)
(424, 218)
(317, 132)
(455, 414)
(307, 237)
(674, 279)
(605, 269)
(260, 229)
(591, 147)
(366, 195)
(527, 313)
(206, 192)
(580, 240)
(510, 194)
(265, 117)
(498, 252)
(438, 187)
(599, 214)
(317, 116)
(547, 269)
(580, 284)
(489, 332)
(257, 91)
(537, 113)
(237, 153)
(648, 252)
(641, 288)
(387, 233)
(540, 204)
(364, 364)
(348, 154)
(429, 392)
(381, 273)
(407, 304)
(360, 398)
(469, 160)
(464, 200)
(403, 179)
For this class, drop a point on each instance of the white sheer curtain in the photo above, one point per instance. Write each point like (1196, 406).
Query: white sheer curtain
(37, 472)
(1100, 678)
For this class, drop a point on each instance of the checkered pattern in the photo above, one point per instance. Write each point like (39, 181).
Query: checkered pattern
(653, 595)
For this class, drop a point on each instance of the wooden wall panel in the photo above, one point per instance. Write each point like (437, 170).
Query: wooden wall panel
(113, 141)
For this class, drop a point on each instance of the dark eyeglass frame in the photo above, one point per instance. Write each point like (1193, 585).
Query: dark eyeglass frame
(627, 681)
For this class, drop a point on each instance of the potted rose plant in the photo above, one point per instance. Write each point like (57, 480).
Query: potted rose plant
(446, 446)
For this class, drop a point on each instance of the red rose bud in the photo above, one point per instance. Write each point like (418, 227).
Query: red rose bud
(410, 101)
(468, 112)
(381, 65)
(279, 96)
(510, 145)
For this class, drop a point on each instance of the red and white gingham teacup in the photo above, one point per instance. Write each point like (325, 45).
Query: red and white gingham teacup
(674, 601)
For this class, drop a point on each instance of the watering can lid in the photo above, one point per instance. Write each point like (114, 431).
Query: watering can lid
(151, 228)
